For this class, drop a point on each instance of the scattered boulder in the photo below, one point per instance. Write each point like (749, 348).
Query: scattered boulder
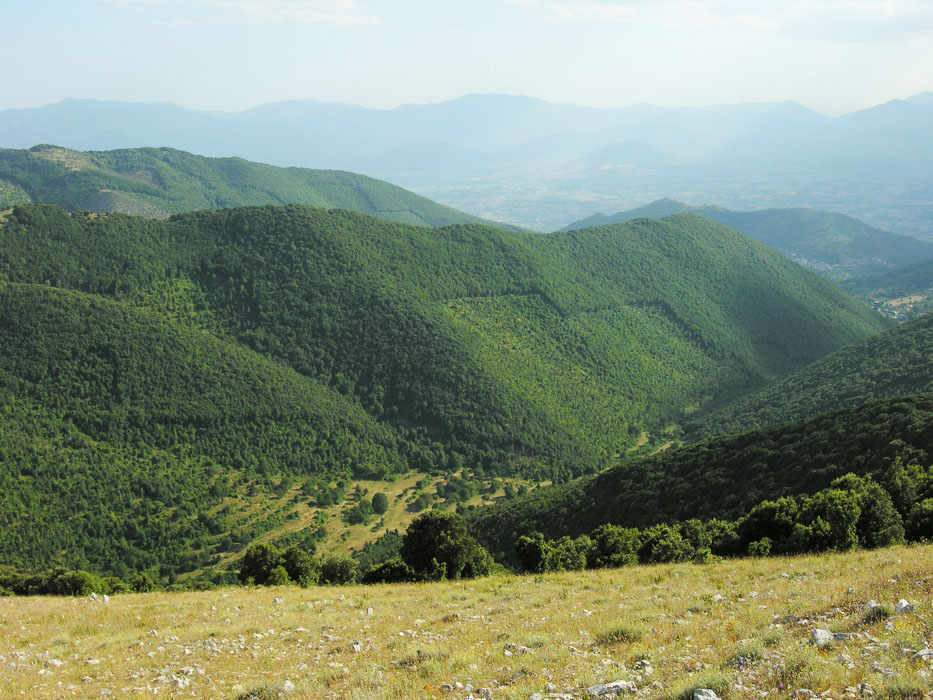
(613, 689)
(903, 607)
(822, 639)
(705, 694)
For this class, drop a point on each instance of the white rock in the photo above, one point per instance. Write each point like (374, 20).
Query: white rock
(278, 601)
(850, 590)
(614, 688)
(55, 662)
(903, 607)
(180, 681)
(926, 654)
(106, 598)
(704, 694)
(357, 646)
(288, 687)
(822, 638)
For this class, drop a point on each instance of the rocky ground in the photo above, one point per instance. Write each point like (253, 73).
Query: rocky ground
(849, 627)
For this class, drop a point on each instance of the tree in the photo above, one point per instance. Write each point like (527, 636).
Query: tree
(301, 567)
(391, 571)
(338, 570)
(258, 562)
(437, 545)
(380, 503)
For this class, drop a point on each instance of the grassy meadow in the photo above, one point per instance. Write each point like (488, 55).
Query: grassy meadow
(739, 627)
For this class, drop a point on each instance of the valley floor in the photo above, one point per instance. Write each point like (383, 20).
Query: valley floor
(740, 627)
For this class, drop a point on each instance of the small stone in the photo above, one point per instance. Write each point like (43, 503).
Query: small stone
(357, 646)
(850, 590)
(447, 688)
(925, 654)
(615, 688)
(278, 601)
(536, 696)
(288, 687)
(485, 693)
(704, 694)
(821, 638)
(903, 607)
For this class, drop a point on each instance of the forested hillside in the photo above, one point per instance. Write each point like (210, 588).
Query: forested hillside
(834, 245)
(893, 363)
(278, 342)
(124, 433)
(720, 478)
(157, 182)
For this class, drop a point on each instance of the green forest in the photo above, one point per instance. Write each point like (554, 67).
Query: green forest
(722, 478)
(889, 364)
(161, 371)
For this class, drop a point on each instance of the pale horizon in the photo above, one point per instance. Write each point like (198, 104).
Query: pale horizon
(232, 55)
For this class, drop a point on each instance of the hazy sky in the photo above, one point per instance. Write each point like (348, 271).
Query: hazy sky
(830, 55)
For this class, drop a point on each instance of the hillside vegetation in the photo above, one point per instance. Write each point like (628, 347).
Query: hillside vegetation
(721, 478)
(892, 363)
(834, 245)
(158, 182)
(323, 345)
(127, 439)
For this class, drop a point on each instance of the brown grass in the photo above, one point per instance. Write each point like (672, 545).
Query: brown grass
(741, 626)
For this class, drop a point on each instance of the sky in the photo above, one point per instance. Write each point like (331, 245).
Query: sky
(833, 56)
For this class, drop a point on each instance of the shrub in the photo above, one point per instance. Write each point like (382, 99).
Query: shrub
(623, 634)
(338, 570)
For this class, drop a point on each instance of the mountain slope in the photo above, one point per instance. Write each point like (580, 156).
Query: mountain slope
(892, 363)
(521, 353)
(720, 478)
(832, 244)
(157, 182)
(127, 438)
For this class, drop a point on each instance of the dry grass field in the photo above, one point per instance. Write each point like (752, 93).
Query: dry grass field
(741, 628)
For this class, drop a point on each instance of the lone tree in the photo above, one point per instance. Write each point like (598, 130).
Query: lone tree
(437, 546)
(380, 503)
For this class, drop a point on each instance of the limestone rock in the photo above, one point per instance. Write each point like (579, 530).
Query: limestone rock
(613, 689)
(822, 639)
(704, 694)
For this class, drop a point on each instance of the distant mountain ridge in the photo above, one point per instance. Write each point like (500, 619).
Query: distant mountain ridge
(158, 182)
(537, 164)
(835, 245)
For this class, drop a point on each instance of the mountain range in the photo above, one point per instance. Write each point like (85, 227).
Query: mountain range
(539, 165)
